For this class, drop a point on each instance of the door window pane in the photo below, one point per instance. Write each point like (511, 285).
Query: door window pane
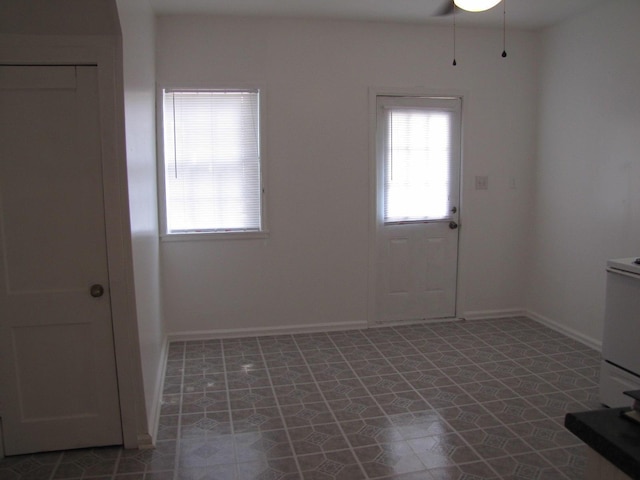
(419, 148)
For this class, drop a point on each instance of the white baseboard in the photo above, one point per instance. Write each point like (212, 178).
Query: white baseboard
(490, 314)
(154, 414)
(568, 331)
(264, 331)
(145, 442)
(338, 326)
(414, 321)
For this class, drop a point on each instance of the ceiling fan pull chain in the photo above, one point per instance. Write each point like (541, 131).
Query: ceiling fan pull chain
(454, 36)
(504, 28)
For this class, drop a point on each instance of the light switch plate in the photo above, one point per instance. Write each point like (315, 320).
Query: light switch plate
(482, 182)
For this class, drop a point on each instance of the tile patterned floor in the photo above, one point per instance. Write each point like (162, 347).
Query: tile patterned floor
(464, 400)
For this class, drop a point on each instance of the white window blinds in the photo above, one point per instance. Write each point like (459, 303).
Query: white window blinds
(212, 161)
(418, 146)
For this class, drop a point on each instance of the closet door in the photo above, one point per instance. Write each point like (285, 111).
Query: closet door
(58, 385)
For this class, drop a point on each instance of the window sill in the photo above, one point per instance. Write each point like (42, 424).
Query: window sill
(198, 237)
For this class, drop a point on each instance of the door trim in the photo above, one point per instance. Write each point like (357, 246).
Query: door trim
(104, 51)
(374, 92)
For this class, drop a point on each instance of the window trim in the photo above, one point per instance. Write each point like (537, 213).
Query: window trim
(385, 103)
(164, 235)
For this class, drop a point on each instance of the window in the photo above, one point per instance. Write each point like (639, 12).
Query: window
(420, 141)
(211, 173)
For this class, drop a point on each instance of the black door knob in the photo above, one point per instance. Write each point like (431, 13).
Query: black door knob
(96, 290)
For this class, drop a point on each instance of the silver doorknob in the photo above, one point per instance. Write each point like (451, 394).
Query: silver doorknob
(96, 290)
(453, 225)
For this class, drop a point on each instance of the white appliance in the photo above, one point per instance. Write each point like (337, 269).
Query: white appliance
(620, 370)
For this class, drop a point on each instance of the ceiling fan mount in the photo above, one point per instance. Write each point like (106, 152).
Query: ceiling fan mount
(447, 8)
(451, 6)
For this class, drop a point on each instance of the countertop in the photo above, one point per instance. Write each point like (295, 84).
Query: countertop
(615, 438)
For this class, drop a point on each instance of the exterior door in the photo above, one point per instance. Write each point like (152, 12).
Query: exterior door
(58, 385)
(417, 207)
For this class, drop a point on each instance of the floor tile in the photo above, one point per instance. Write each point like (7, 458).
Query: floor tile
(413, 425)
(467, 374)
(514, 410)
(387, 459)
(318, 438)
(494, 442)
(302, 415)
(221, 472)
(258, 446)
(571, 461)
(371, 431)
(425, 379)
(205, 424)
(336, 465)
(488, 390)
(447, 396)
(444, 450)
(240, 380)
(284, 359)
(344, 388)
(313, 356)
(290, 375)
(401, 402)
(326, 372)
(206, 452)
(529, 385)
(258, 397)
(242, 363)
(355, 409)
(256, 419)
(161, 458)
(527, 466)
(297, 394)
(373, 367)
(276, 469)
(469, 417)
(458, 400)
(381, 384)
(410, 363)
(211, 401)
(544, 434)
(464, 471)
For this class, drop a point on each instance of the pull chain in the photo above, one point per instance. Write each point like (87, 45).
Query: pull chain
(504, 28)
(454, 36)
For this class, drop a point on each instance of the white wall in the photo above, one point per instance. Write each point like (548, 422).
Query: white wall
(88, 31)
(313, 268)
(588, 171)
(137, 22)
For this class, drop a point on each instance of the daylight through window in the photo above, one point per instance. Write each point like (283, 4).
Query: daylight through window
(418, 148)
(212, 178)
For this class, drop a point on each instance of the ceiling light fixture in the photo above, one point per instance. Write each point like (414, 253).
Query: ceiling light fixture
(479, 6)
(476, 5)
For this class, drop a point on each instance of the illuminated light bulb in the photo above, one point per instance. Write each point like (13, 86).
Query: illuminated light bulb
(476, 5)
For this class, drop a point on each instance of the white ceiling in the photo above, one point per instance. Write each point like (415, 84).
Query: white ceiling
(528, 14)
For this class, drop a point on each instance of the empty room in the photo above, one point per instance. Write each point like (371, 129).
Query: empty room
(367, 239)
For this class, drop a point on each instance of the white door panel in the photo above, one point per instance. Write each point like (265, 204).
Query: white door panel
(416, 252)
(416, 278)
(59, 386)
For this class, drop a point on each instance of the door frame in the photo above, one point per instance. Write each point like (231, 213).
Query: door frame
(374, 92)
(105, 52)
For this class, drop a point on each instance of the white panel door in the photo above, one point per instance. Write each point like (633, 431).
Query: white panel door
(58, 381)
(417, 207)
